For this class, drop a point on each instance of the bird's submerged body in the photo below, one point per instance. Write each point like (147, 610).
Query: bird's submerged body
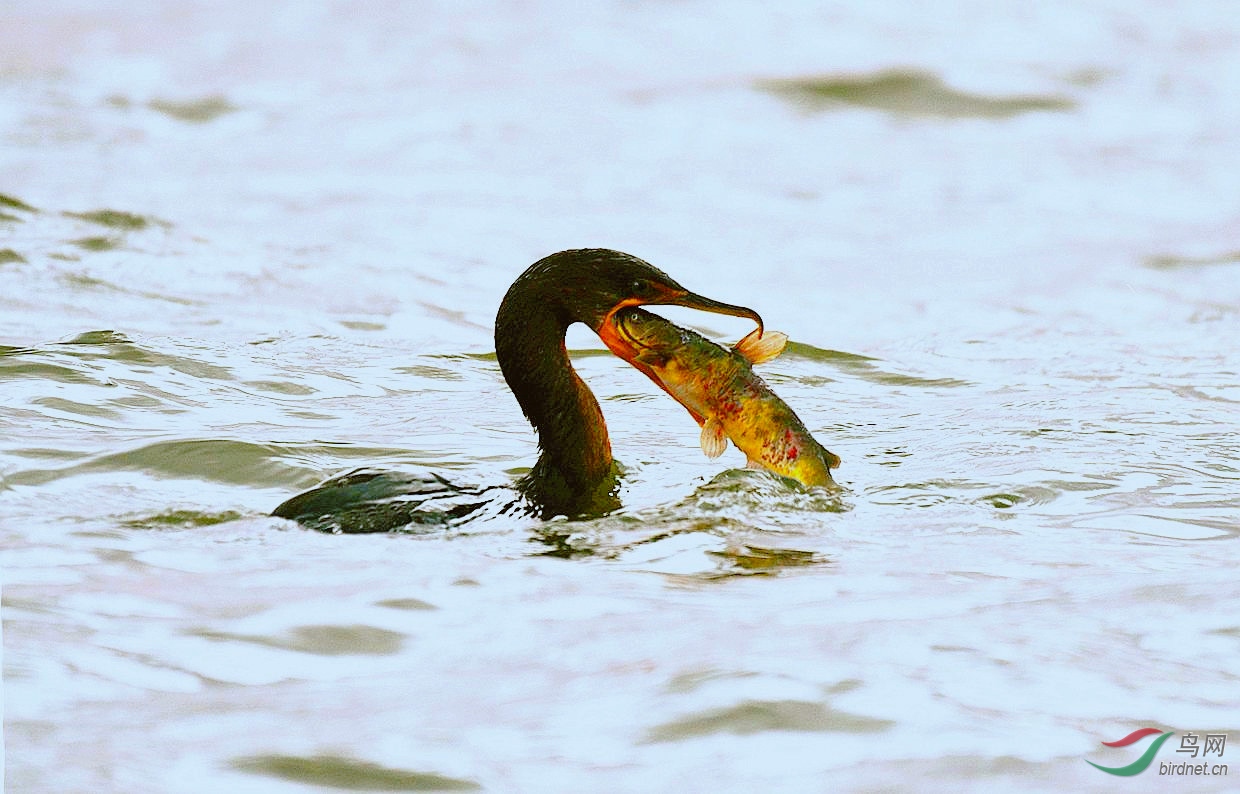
(366, 500)
(720, 389)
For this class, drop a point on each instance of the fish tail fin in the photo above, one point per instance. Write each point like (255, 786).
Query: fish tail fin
(760, 349)
(714, 441)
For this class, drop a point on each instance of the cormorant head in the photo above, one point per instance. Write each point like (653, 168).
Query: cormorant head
(589, 285)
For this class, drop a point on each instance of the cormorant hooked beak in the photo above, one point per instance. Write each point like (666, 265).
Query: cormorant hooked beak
(682, 297)
(692, 300)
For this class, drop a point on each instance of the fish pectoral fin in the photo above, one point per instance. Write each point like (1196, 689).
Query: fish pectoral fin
(754, 464)
(762, 349)
(714, 441)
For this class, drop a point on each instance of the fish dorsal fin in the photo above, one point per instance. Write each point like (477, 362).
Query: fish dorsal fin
(714, 441)
(759, 350)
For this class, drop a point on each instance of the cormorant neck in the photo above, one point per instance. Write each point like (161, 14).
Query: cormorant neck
(574, 470)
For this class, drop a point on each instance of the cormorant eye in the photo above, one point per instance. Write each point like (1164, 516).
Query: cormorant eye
(637, 286)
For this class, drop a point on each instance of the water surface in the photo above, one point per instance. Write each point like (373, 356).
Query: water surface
(245, 247)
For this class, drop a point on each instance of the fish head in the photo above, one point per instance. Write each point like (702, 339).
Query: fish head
(649, 343)
(639, 337)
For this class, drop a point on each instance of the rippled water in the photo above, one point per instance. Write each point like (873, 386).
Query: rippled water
(245, 247)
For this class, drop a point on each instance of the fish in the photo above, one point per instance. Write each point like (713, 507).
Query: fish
(722, 392)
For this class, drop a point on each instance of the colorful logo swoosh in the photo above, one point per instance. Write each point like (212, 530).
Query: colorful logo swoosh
(1135, 736)
(1138, 766)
